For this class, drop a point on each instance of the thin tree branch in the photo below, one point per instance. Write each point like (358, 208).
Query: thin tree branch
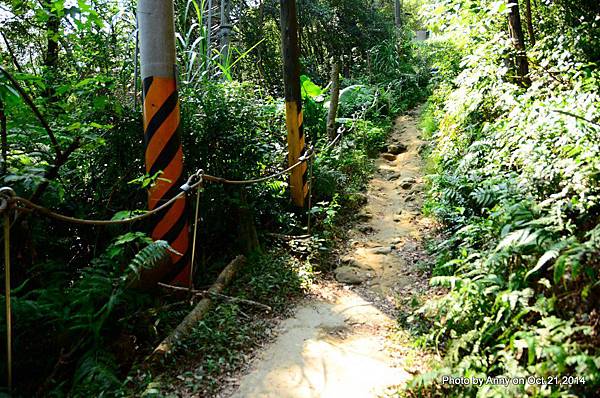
(11, 52)
(577, 117)
(35, 110)
(206, 293)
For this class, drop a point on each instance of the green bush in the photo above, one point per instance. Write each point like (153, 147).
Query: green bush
(229, 130)
(76, 327)
(516, 186)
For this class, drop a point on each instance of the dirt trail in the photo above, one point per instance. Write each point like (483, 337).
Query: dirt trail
(337, 346)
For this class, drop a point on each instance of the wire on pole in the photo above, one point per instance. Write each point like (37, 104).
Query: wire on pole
(5, 206)
(196, 220)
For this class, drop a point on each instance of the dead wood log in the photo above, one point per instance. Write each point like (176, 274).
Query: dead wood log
(168, 345)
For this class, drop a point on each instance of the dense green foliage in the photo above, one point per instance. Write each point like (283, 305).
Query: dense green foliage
(516, 187)
(515, 184)
(222, 340)
(81, 322)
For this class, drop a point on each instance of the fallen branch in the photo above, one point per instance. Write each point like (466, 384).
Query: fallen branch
(168, 345)
(207, 293)
(288, 237)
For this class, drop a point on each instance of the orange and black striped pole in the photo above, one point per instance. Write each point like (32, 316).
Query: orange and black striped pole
(293, 100)
(162, 136)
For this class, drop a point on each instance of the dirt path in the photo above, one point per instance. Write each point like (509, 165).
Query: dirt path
(338, 345)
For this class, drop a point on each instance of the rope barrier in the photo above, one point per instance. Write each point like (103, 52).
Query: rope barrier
(12, 200)
(9, 202)
(335, 140)
(221, 180)
(193, 260)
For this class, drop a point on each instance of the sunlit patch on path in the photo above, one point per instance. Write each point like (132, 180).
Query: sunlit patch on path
(338, 345)
(326, 350)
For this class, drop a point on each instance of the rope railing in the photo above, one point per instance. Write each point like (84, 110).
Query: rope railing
(11, 202)
(307, 156)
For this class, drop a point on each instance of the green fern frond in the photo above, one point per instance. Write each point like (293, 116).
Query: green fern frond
(150, 256)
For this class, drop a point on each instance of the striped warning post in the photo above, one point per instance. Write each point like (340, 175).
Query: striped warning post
(164, 155)
(293, 99)
(296, 148)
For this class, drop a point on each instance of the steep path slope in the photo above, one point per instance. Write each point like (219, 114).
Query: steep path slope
(337, 343)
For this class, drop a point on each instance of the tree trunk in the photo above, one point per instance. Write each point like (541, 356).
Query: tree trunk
(52, 26)
(208, 35)
(518, 39)
(335, 97)
(4, 138)
(259, 50)
(247, 229)
(51, 56)
(398, 12)
(529, 20)
(346, 64)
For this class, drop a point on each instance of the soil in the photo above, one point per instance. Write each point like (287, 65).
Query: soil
(340, 342)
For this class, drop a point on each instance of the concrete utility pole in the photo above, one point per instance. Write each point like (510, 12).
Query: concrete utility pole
(225, 30)
(161, 132)
(293, 99)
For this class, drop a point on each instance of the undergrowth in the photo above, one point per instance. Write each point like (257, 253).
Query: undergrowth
(222, 342)
(276, 276)
(515, 185)
(83, 326)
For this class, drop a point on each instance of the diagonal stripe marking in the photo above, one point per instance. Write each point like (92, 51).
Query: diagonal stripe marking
(165, 157)
(158, 118)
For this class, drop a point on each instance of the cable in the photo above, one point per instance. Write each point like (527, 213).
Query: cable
(221, 180)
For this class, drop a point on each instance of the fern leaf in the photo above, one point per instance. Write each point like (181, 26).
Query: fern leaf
(150, 256)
